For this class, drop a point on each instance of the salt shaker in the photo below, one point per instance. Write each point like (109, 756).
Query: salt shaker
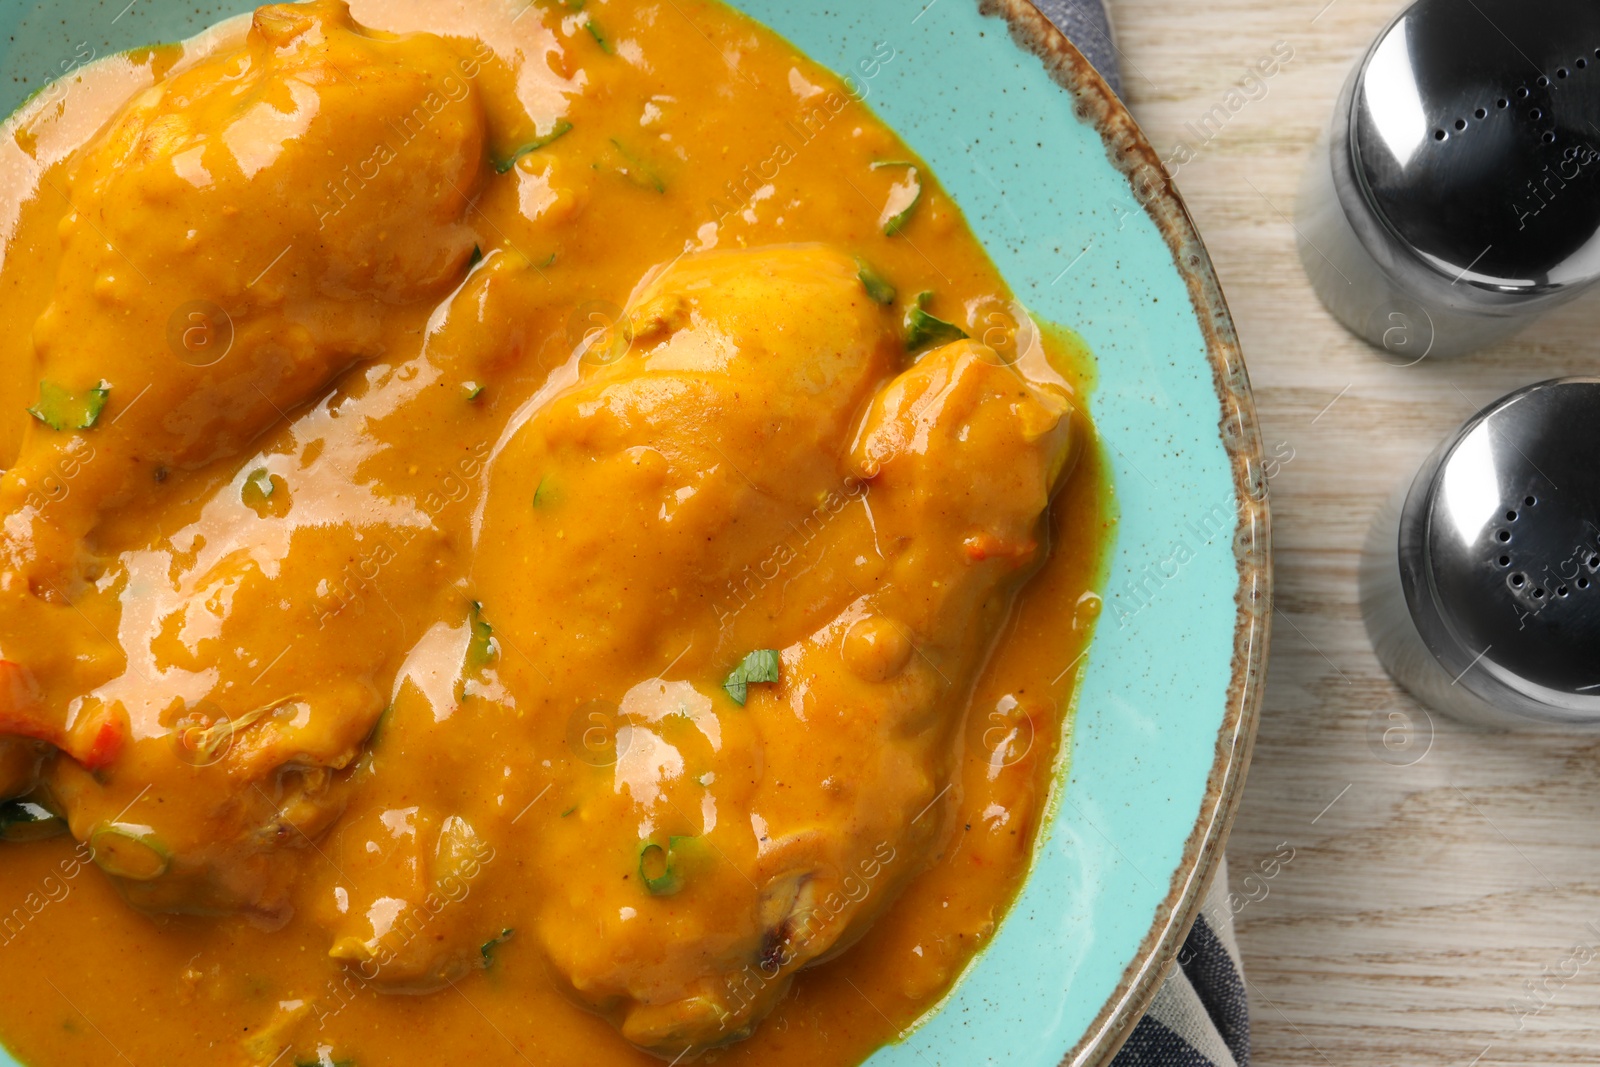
(1480, 584)
(1456, 196)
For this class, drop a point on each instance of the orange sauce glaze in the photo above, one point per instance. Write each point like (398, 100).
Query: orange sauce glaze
(692, 129)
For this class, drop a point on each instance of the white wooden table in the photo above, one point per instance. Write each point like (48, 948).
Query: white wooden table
(1444, 911)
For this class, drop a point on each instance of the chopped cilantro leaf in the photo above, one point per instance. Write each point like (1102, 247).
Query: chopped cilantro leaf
(758, 667)
(925, 331)
(562, 128)
(63, 409)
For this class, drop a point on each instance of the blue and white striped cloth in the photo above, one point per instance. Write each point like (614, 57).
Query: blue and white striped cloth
(1200, 1017)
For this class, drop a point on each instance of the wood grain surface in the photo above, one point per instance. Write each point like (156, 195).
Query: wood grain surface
(1443, 903)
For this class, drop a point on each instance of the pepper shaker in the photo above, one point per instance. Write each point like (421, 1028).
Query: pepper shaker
(1480, 584)
(1456, 195)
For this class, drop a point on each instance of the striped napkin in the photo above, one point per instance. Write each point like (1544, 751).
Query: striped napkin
(1200, 1016)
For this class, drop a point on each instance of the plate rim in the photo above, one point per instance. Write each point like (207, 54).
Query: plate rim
(1152, 187)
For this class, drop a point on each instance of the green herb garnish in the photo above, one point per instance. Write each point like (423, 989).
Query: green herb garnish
(471, 390)
(665, 871)
(911, 187)
(878, 289)
(562, 128)
(477, 250)
(656, 870)
(925, 331)
(131, 852)
(483, 649)
(62, 409)
(758, 667)
(569, 811)
(258, 488)
(599, 38)
(538, 491)
(487, 951)
(636, 171)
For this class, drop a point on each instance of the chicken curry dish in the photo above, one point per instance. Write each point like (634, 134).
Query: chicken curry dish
(530, 533)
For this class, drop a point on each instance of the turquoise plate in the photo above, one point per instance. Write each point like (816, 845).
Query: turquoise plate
(1077, 212)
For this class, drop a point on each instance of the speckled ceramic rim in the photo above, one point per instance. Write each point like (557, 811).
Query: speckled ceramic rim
(1152, 186)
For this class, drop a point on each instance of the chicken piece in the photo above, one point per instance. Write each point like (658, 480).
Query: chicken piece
(713, 850)
(269, 636)
(261, 669)
(211, 280)
(670, 466)
(622, 507)
(264, 674)
(204, 213)
(856, 740)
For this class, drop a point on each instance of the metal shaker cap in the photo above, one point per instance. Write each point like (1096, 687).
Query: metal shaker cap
(1476, 136)
(1505, 590)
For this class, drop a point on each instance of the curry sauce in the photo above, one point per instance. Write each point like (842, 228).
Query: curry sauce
(532, 533)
